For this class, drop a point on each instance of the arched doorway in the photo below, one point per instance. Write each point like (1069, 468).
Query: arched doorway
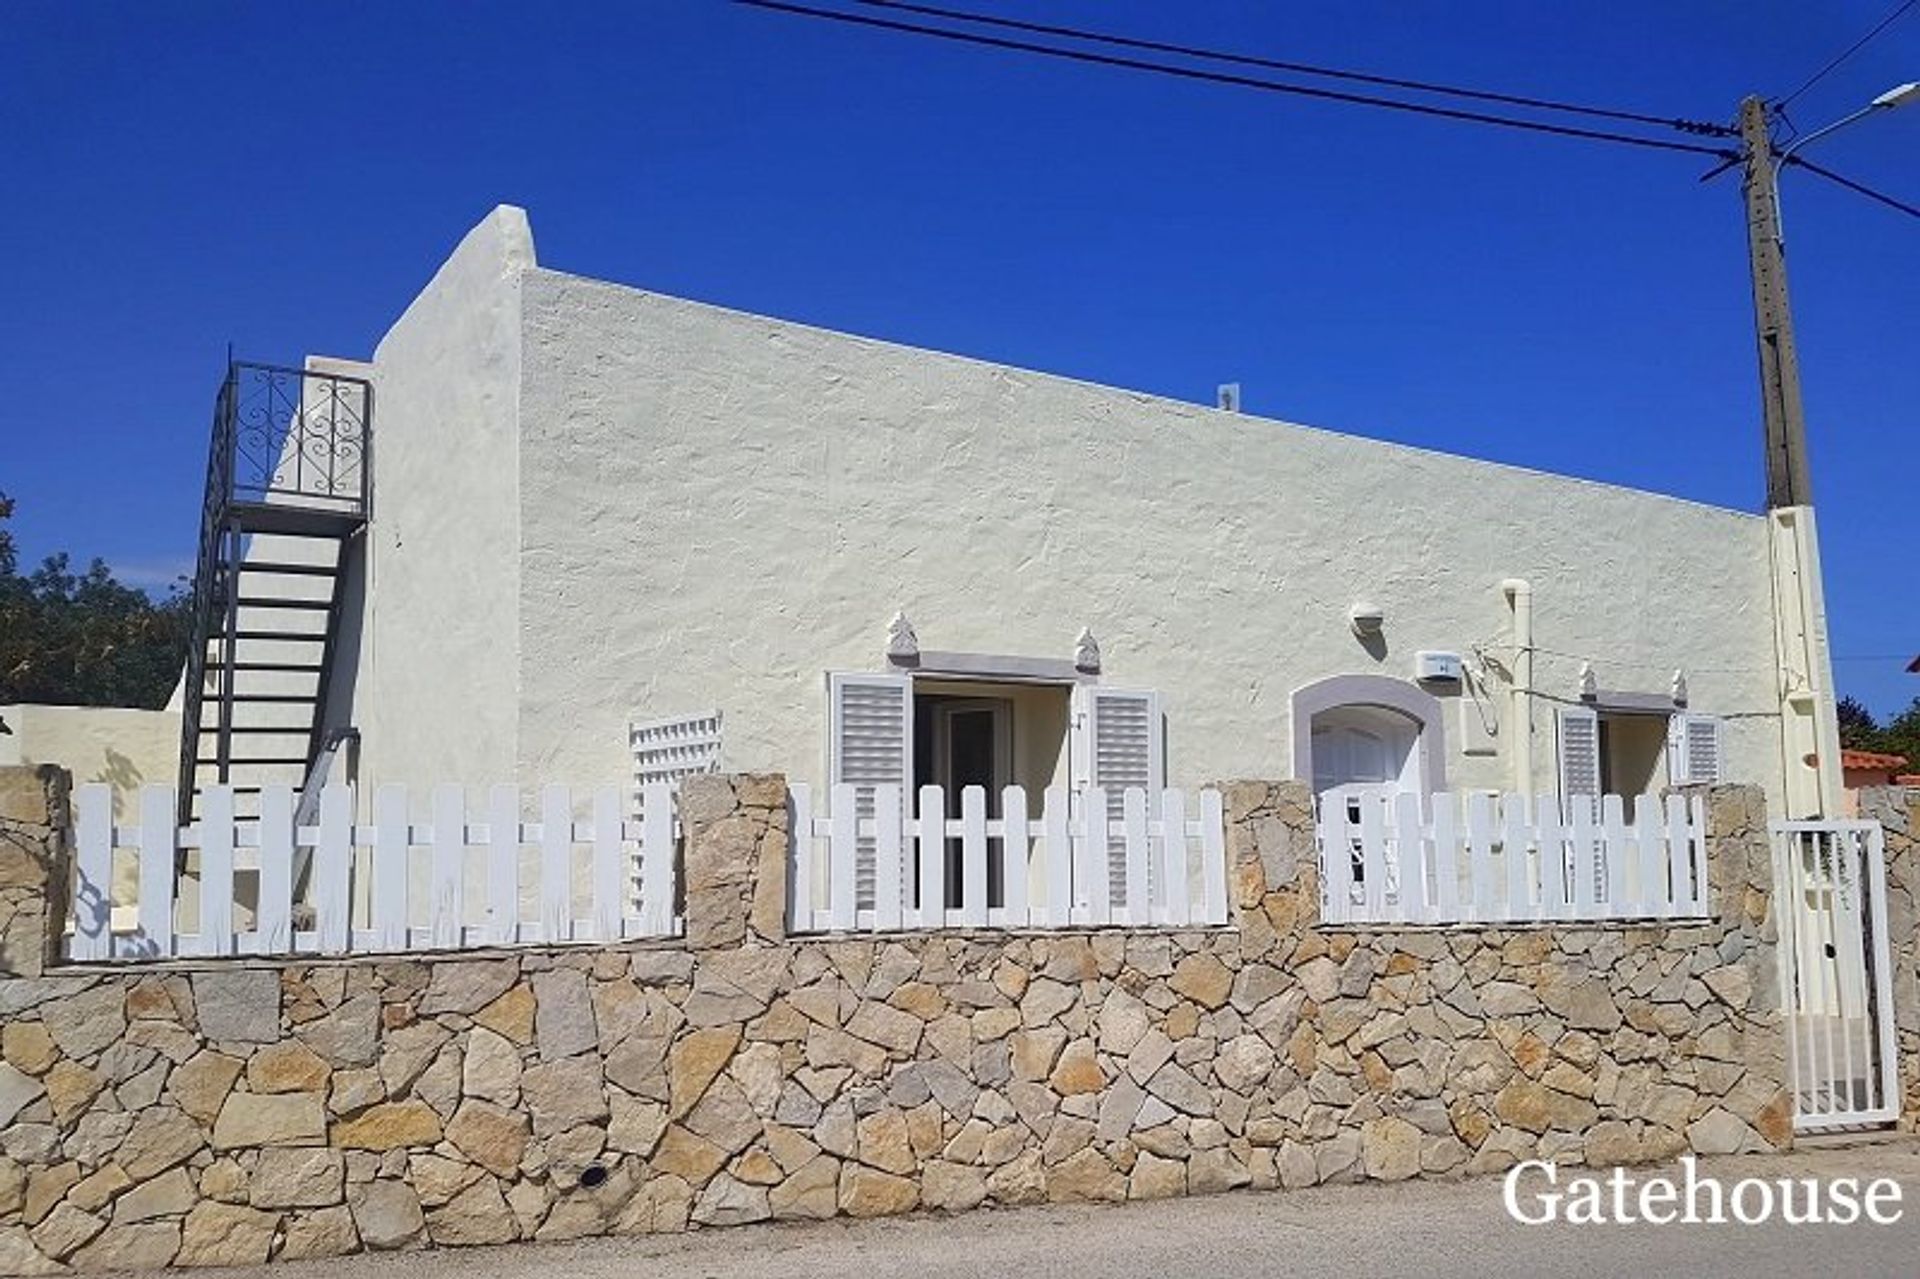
(1368, 733)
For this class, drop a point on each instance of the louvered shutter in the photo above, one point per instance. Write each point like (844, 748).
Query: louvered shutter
(1579, 758)
(1118, 743)
(1694, 749)
(870, 744)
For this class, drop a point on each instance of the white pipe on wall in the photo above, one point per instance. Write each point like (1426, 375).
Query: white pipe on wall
(1519, 593)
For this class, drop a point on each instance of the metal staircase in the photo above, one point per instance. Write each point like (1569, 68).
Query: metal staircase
(286, 504)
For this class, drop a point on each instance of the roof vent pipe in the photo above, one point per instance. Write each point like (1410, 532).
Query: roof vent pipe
(1519, 593)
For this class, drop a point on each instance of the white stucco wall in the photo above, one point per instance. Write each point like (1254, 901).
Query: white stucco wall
(435, 681)
(715, 508)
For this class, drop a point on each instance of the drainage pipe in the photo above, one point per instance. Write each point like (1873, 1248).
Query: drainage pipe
(1519, 593)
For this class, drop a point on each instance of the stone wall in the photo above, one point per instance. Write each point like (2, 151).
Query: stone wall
(235, 1112)
(1897, 809)
(33, 861)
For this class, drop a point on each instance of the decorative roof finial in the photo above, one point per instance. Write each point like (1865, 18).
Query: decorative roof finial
(1589, 687)
(1086, 653)
(902, 644)
(1679, 688)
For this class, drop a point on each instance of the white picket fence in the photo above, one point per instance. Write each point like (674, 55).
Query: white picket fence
(227, 886)
(1399, 860)
(870, 865)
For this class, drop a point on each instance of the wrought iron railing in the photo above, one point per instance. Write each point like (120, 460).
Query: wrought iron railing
(295, 435)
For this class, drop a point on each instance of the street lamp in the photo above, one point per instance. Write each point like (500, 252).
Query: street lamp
(1902, 95)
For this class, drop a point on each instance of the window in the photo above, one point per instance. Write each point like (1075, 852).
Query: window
(927, 730)
(1618, 751)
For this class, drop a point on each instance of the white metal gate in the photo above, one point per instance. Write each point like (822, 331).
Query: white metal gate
(1836, 975)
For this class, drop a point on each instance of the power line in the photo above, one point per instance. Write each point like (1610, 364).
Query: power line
(1248, 82)
(1302, 68)
(1900, 9)
(1851, 185)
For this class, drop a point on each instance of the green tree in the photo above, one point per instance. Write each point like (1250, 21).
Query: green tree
(1857, 728)
(83, 639)
(1901, 735)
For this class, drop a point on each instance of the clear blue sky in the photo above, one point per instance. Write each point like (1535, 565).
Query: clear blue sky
(285, 177)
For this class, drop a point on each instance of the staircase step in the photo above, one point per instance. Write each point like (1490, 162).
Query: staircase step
(305, 636)
(285, 699)
(255, 601)
(249, 762)
(298, 730)
(296, 570)
(298, 667)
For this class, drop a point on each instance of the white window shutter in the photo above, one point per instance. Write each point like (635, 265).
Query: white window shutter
(1579, 755)
(870, 743)
(1695, 749)
(1118, 743)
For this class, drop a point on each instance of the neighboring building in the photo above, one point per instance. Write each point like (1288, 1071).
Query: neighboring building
(594, 507)
(1863, 769)
(123, 746)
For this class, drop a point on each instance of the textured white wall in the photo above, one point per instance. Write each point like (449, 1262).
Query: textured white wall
(436, 688)
(716, 508)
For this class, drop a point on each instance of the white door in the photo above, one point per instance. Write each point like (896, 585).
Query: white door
(1364, 750)
(1361, 755)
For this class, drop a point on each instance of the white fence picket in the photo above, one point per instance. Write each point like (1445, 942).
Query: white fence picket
(159, 819)
(1015, 847)
(1058, 840)
(1623, 858)
(887, 837)
(801, 886)
(973, 857)
(1554, 900)
(1133, 831)
(1335, 837)
(216, 871)
(1095, 866)
(1697, 855)
(503, 866)
(1373, 859)
(1515, 837)
(842, 860)
(1173, 858)
(1213, 857)
(273, 930)
(1656, 885)
(1409, 852)
(445, 866)
(391, 852)
(1485, 895)
(609, 879)
(1446, 860)
(932, 848)
(332, 871)
(93, 890)
(556, 864)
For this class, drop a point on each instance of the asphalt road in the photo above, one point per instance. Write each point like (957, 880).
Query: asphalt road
(1427, 1229)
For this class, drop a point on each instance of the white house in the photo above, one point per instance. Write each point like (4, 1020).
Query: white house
(612, 531)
